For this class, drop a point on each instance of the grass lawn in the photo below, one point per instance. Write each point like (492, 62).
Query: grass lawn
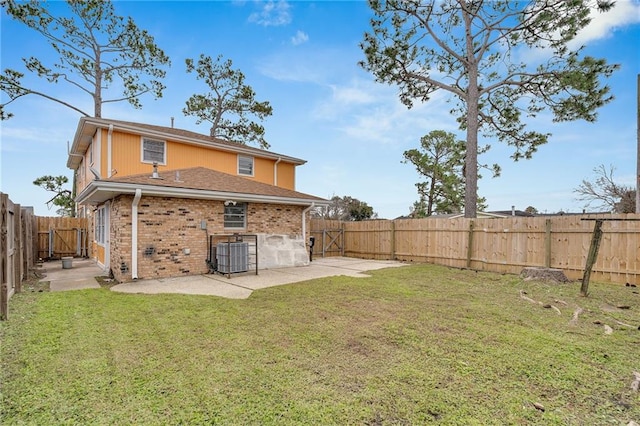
(412, 345)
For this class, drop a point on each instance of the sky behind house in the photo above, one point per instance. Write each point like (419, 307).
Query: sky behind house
(302, 57)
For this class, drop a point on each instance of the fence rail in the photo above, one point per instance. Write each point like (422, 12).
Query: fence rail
(505, 245)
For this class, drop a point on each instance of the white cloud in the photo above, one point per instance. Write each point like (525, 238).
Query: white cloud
(366, 111)
(301, 66)
(603, 24)
(272, 13)
(300, 38)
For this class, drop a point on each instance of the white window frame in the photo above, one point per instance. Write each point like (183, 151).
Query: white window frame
(100, 225)
(234, 214)
(151, 161)
(242, 169)
(93, 142)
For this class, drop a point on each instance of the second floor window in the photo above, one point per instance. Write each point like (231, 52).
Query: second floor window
(245, 165)
(153, 151)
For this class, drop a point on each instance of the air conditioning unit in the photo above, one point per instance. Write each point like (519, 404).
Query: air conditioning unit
(232, 257)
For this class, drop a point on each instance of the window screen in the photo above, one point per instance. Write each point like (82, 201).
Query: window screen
(245, 166)
(235, 215)
(153, 151)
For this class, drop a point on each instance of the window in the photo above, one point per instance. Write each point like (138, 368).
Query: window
(245, 165)
(100, 222)
(153, 151)
(235, 215)
(91, 152)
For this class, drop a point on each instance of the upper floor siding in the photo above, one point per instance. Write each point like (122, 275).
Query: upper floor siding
(123, 154)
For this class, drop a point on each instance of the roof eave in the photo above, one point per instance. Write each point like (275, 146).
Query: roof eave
(99, 191)
(87, 127)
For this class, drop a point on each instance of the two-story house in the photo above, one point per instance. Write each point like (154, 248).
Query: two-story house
(155, 195)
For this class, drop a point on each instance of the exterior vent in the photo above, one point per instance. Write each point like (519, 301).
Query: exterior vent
(232, 257)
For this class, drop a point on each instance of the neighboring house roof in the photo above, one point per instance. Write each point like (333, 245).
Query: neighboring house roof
(196, 182)
(87, 127)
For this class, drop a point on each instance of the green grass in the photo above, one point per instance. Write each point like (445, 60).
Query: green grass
(412, 345)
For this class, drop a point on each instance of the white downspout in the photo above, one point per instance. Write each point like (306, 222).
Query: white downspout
(304, 222)
(134, 234)
(109, 168)
(275, 171)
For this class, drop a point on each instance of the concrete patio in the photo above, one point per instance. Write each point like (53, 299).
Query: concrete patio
(81, 276)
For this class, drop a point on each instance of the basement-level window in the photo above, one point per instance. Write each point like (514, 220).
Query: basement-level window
(235, 215)
(153, 151)
(245, 165)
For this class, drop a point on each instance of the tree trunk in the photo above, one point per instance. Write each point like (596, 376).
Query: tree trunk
(471, 155)
(97, 92)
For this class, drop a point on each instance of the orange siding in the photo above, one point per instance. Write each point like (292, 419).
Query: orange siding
(126, 160)
(263, 170)
(98, 250)
(287, 175)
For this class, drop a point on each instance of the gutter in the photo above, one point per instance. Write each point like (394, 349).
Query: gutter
(109, 168)
(88, 125)
(111, 188)
(275, 171)
(134, 234)
(304, 222)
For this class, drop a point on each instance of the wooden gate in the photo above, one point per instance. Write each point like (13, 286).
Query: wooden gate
(62, 236)
(333, 242)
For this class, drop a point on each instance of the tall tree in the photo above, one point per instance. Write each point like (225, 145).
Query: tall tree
(346, 209)
(469, 49)
(62, 197)
(440, 160)
(605, 192)
(229, 96)
(95, 47)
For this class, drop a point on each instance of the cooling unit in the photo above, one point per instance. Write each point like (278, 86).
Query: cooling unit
(232, 257)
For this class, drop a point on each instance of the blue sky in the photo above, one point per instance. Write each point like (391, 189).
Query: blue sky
(302, 57)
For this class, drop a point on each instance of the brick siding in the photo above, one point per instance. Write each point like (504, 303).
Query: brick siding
(171, 241)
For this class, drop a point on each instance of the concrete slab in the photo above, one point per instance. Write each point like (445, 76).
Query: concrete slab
(80, 276)
(241, 286)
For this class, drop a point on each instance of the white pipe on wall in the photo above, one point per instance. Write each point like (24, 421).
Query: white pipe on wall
(275, 171)
(134, 234)
(109, 150)
(304, 222)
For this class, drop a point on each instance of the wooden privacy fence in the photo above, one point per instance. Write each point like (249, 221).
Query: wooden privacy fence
(505, 245)
(17, 250)
(62, 236)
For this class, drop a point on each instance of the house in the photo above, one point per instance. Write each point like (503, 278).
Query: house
(155, 196)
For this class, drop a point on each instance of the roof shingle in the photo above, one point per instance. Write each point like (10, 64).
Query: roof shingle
(201, 178)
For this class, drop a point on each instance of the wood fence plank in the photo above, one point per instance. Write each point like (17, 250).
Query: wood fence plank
(500, 245)
(4, 250)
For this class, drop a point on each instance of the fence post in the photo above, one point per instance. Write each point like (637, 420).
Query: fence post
(4, 288)
(591, 258)
(51, 241)
(470, 244)
(17, 244)
(393, 240)
(547, 243)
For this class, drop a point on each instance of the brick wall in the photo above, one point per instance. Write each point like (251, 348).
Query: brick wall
(171, 241)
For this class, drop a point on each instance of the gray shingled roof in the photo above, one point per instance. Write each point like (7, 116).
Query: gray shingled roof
(205, 179)
(195, 182)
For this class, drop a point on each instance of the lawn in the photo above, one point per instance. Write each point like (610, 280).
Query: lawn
(412, 345)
